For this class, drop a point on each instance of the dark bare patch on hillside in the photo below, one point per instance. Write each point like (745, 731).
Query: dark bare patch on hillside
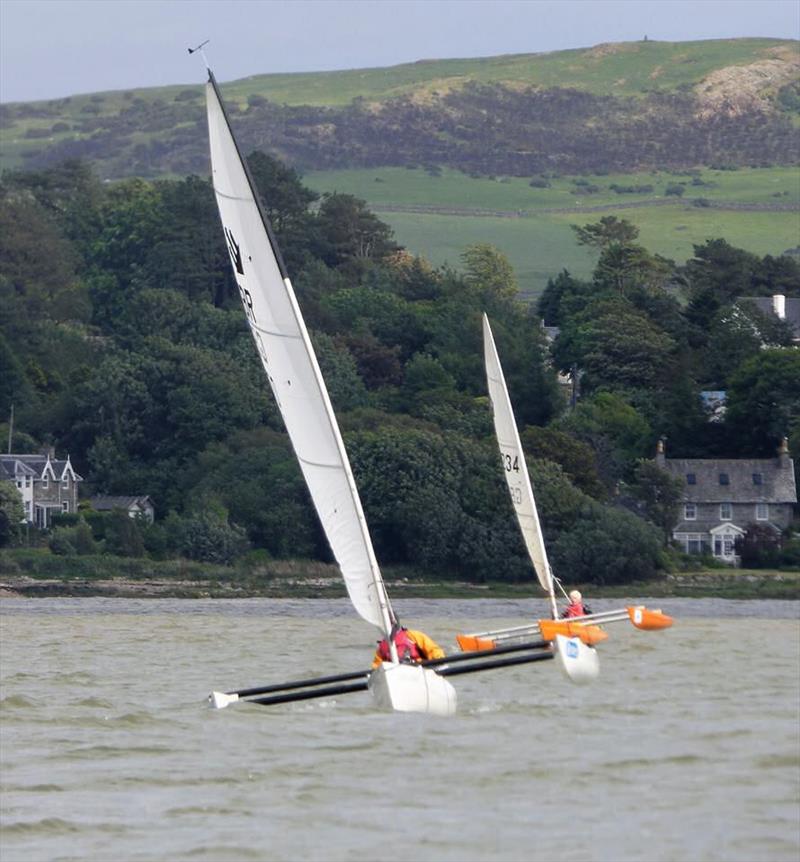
(480, 129)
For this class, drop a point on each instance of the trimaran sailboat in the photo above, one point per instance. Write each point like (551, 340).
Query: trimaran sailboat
(573, 639)
(291, 366)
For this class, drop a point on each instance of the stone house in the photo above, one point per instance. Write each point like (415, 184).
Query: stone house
(135, 506)
(722, 497)
(47, 485)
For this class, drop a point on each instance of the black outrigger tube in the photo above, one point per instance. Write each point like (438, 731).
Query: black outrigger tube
(472, 662)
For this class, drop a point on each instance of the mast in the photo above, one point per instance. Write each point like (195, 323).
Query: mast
(290, 363)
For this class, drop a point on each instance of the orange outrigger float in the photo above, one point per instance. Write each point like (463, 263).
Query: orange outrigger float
(588, 629)
(572, 639)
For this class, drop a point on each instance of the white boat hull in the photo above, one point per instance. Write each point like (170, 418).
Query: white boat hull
(410, 688)
(579, 662)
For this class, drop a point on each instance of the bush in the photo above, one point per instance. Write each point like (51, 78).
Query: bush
(60, 543)
(608, 546)
(211, 539)
(759, 548)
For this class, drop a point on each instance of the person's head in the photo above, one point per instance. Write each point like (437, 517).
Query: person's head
(575, 596)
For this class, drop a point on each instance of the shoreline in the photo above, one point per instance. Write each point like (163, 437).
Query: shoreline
(717, 584)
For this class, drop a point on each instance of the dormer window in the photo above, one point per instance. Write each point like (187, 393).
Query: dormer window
(758, 479)
(691, 479)
(65, 482)
(45, 481)
(724, 479)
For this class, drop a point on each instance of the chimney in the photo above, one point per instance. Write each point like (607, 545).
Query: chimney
(660, 456)
(783, 454)
(779, 305)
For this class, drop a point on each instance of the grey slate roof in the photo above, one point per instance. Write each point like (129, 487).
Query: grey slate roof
(106, 503)
(777, 480)
(12, 466)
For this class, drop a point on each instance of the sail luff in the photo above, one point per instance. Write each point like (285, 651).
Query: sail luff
(515, 468)
(288, 357)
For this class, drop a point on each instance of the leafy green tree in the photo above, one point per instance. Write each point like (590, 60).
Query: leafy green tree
(623, 267)
(659, 494)
(615, 430)
(345, 386)
(424, 373)
(14, 387)
(615, 345)
(38, 266)
(188, 253)
(763, 401)
(558, 292)
(350, 234)
(489, 275)
(256, 479)
(123, 535)
(286, 201)
(609, 231)
(12, 514)
(575, 457)
(209, 537)
(760, 547)
(608, 546)
(716, 275)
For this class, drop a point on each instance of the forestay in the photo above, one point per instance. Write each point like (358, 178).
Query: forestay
(291, 366)
(514, 467)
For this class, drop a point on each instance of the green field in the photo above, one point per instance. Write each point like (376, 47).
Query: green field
(540, 242)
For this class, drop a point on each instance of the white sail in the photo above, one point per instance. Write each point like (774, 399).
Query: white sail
(291, 366)
(514, 466)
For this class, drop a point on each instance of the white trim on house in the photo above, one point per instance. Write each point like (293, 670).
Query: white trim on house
(723, 542)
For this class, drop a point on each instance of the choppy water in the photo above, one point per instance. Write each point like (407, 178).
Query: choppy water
(686, 749)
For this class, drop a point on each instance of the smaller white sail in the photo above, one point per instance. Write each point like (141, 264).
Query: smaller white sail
(514, 466)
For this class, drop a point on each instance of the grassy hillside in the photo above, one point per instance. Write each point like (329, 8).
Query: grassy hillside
(536, 233)
(626, 91)
(624, 69)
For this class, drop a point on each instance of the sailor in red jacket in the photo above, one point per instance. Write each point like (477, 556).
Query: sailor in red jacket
(412, 646)
(576, 607)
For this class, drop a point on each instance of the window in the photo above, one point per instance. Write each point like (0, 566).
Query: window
(727, 546)
(758, 479)
(691, 479)
(690, 512)
(724, 479)
(725, 511)
(65, 506)
(27, 481)
(45, 481)
(762, 512)
(19, 483)
(65, 482)
(694, 544)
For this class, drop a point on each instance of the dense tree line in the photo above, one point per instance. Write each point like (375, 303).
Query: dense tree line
(485, 129)
(122, 342)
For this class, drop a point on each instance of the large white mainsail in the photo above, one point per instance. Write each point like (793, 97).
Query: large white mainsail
(291, 366)
(514, 466)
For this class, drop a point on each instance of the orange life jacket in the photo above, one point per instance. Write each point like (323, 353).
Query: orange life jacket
(407, 650)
